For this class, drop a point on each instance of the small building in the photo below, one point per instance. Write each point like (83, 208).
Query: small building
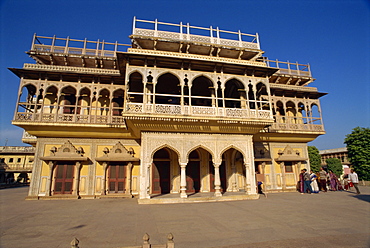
(179, 111)
(16, 163)
(339, 153)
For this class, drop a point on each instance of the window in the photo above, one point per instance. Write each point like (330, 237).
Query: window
(288, 167)
(11, 160)
(19, 160)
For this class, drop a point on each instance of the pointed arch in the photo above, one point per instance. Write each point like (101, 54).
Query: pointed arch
(234, 93)
(262, 96)
(67, 100)
(167, 89)
(135, 87)
(202, 91)
(117, 102)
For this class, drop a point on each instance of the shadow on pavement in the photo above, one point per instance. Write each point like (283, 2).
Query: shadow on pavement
(362, 197)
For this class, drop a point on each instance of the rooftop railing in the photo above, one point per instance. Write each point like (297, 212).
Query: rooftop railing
(75, 46)
(186, 32)
(289, 67)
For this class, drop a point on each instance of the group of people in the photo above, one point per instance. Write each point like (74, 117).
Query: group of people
(312, 183)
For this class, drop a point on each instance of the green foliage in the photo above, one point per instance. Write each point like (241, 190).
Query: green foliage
(315, 158)
(335, 165)
(358, 146)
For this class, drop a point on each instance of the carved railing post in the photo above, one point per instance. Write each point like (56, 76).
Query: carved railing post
(146, 243)
(170, 243)
(74, 243)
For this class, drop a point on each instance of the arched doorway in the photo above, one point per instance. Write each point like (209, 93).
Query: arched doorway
(193, 172)
(161, 171)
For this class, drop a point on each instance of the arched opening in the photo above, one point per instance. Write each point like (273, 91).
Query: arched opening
(83, 105)
(103, 102)
(27, 99)
(301, 114)
(67, 100)
(135, 88)
(117, 102)
(234, 94)
(315, 114)
(280, 112)
(262, 97)
(202, 92)
(193, 172)
(291, 112)
(161, 171)
(168, 90)
(50, 100)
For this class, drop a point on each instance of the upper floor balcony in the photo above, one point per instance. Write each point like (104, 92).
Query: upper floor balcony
(192, 34)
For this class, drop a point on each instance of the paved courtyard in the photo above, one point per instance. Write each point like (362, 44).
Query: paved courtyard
(332, 219)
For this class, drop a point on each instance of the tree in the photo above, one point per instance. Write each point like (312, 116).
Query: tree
(335, 165)
(358, 146)
(315, 158)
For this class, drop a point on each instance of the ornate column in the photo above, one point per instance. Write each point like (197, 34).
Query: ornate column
(76, 180)
(250, 179)
(283, 179)
(104, 183)
(145, 181)
(235, 184)
(183, 180)
(50, 179)
(128, 176)
(217, 179)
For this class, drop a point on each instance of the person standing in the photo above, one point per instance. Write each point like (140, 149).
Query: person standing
(307, 182)
(333, 181)
(314, 186)
(323, 175)
(352, 177)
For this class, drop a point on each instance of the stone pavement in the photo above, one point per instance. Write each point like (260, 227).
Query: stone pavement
(332, 219)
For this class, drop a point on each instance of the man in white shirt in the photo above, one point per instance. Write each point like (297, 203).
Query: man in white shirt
(352, 177)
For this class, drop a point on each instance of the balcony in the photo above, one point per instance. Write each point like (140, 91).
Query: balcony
(196, 111)
(299, 124)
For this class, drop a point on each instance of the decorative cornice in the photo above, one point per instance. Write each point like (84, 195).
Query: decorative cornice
(71, 69)
(195, 57)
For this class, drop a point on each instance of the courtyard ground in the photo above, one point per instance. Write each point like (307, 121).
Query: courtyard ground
(332, 219)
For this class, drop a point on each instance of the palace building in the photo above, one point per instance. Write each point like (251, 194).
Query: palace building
(181, 112)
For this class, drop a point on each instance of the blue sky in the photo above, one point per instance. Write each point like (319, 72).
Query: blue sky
(332, 36)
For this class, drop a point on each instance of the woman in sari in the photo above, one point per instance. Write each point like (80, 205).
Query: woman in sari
(300, 184)
(333, 181)
(314, 185)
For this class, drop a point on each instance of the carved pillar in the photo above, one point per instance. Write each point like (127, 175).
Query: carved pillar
(128, 176)
(217, 179)
(76, 180)
(234, 177)
(283, 179)
(247, 178)
(104, 183)
(183, 180)
(50, 179)
(250, 179)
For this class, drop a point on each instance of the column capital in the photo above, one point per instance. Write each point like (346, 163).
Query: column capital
(183, 164)
(217, 165)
